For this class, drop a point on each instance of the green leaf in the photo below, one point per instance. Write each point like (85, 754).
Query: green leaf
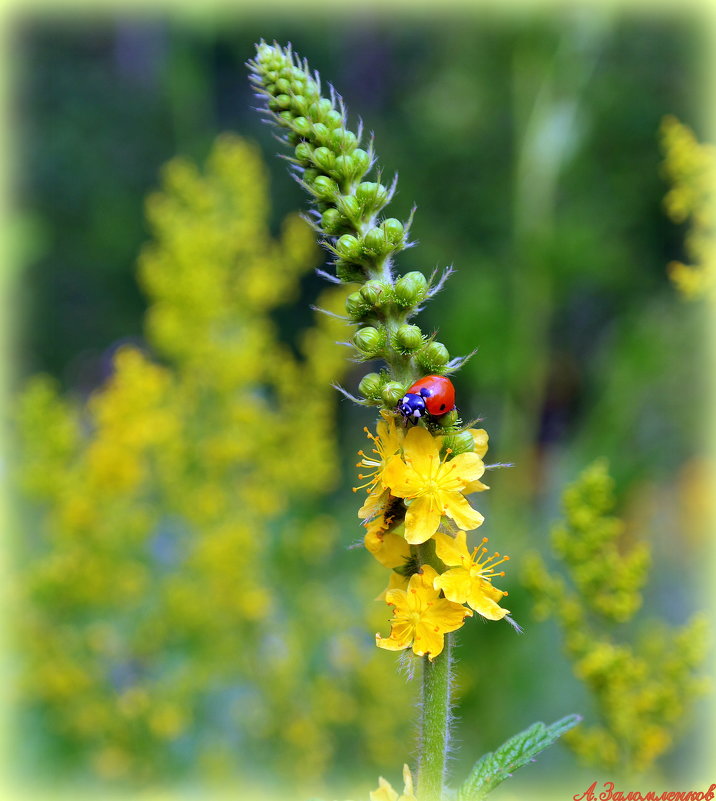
(496, 766)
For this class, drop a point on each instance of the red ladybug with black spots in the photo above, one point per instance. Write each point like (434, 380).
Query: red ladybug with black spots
(433, 395)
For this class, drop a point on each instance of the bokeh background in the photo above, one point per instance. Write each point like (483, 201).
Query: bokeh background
(190, 612)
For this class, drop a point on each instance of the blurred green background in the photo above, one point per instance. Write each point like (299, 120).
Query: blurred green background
(530, 145)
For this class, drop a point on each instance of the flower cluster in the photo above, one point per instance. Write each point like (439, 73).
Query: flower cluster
(413, 489)
(179, 535)
(690, 168)
(416, 513)
(642, 686)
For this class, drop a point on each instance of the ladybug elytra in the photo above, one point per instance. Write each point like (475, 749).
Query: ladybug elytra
(432, 395)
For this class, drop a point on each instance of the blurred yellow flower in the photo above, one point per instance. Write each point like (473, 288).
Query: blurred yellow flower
(470, 578)
(385, 791)
(421, 618)
(434, 486)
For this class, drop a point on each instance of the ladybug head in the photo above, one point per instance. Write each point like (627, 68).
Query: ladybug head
(412, 407)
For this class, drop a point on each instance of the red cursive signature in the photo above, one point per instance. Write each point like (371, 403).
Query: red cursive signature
(610, 794)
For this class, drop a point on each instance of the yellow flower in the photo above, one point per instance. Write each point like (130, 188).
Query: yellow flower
(434, 486)
(385, 792)
(385, 445)
(390, 549)
(421, 618)
(469, 580)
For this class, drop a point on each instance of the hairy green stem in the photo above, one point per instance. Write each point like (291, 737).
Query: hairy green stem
(435, 704)
(435, 724)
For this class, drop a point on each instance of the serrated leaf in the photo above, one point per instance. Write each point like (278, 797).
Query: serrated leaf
(496, 766)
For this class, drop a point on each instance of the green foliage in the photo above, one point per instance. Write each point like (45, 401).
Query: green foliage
(496, 766)
(643, 688)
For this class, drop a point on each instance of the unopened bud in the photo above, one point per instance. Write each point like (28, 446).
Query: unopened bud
(433, 357)
(374, 242)
(324, 187)
(320, 133)
(333, 119)
(372, 196)
(408, 338)
(332, 221)
(369, 341)
(410, 289)
(303, 152)
(392, 393)
(394, 231)
(356, 306)
(324, 158)
(371, 386)
(375, 293)
(461, 442)
(349, 247)
(343, 141)
(302, 126)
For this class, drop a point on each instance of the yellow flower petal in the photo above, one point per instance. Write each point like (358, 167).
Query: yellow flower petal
(461, 512)
(452, 550)
(483, 604)
(389, 549)
(481, 440)
(455, 583)
(422, 520)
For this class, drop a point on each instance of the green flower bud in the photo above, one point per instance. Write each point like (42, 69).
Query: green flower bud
(281, 102)
(320, 132)
(349, 247)
(324, 187)
(433, 357)
(332, 221)
(319, 109)
(348, 204)
(356, 306)
(371, 386)
(324, 158)
(343, 141)
(369, 341)
(375, 293)
(394, 232)
(408, 338)
(371, 196)
(448, 419)
(461, 442)
(374, 242)
(298, 102)
(392, 393)
(283, 86)
(310, 175)
(410, 289)
(361, 163)
(349, 273)
(303, 152)
(302, 126)
(333, 119)
(285, 117)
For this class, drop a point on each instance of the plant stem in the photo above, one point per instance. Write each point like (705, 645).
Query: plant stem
(436, 706)
(435, 724)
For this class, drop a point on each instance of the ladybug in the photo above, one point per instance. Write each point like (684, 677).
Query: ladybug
(432, 395)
